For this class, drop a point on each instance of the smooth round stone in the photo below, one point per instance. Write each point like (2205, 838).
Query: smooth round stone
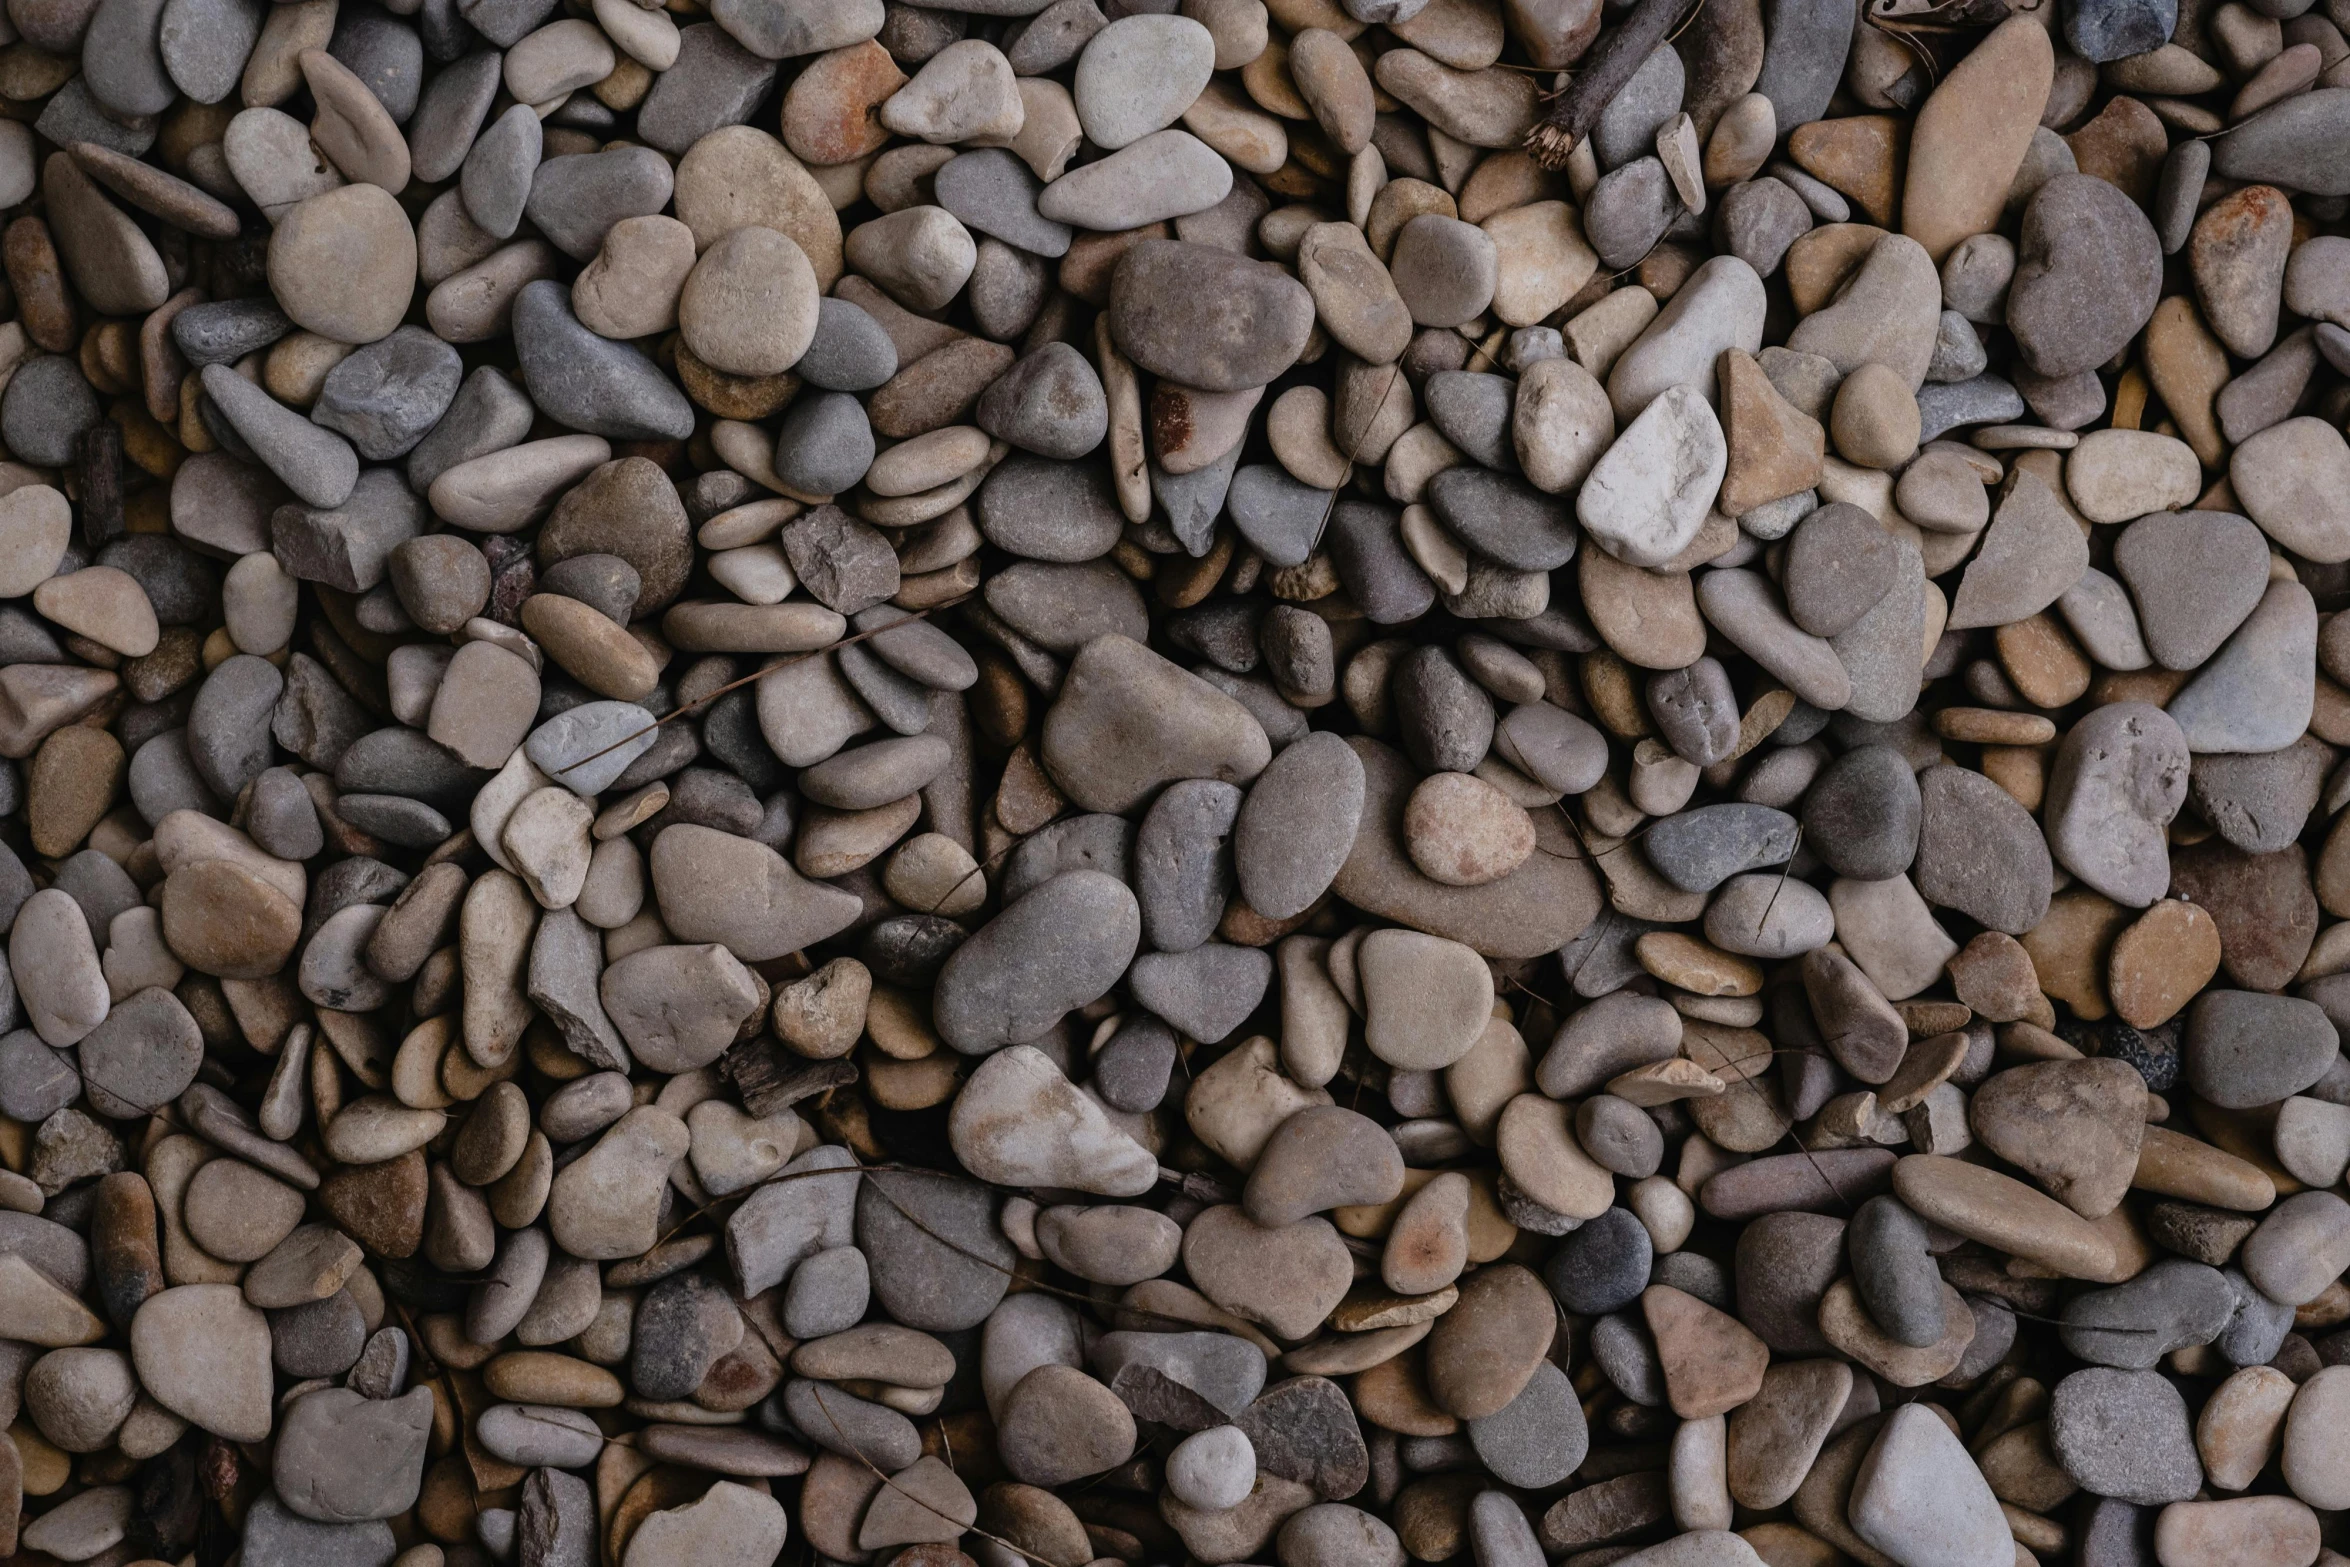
(1425, 999)
(2124, 1434)
(1138, 75)
(2302, 1244)
(631, 288)
(2245, 1049)
(2117, 475)
(1697, 850)
(1057, 948)
(2077, 228)
(2120, 776)
(204, 1354)
(1444, 269)
(1041, 509)
(1110, 1244)
(1207, 318)
(1213, 1469)
(922, 255)
(46, 409)
(1769, 916)
(2172, 1304)
(343, 264)
(576, 199)
(143, 1055)
(824, 445)
(1894, 1274)
(55, 967)
(992, 191)
(1060, 1425)
(1648, 495)
(2313, 1463)
(1979, 851)
(79, 1397)
(536, 1434)
(2194, 576)
(1862, 814)
(849, 352)
(588, 382)
(1484, 1352)
(1840, 563)
(1128, 721)
(2285, 477)
(1463, 832)
(1919, 1490)
(1603, 1265)
(966, 91)
(1050, 402)
(1297, 826)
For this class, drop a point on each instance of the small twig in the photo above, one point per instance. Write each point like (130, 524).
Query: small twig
(1610, 65)
(1785, 869)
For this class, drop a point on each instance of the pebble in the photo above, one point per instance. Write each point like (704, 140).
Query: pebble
(2078, 225)
(2123, 1434)
(2120, 777)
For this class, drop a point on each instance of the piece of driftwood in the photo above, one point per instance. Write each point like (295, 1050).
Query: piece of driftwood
(770, 1078)
(1605, 71)
(101, 484)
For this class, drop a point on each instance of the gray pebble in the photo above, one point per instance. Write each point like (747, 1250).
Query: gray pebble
(1183, 862)
(715, 82)
(387, 395)
(588, 382)
(46, 410)
(2124, 1434)
(1895, 1273)
(454, 107)
(850, 352)
(497, 179)
(1697, 850)
(1050, 402)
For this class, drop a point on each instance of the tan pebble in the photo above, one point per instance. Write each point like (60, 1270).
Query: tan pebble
(1858, 155)
(2246, 1531)
(2174, 1165)
(1696, 966)
(1993, 726)
(2236, 1434)
(1464, 832)
(1712, 1362)
(2003, 1213)
(1846, 1324)
(1875, 420)
(2162, 962)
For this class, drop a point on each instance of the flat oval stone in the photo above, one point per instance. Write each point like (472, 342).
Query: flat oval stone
(1056, 949)
(2245, 1049)
(1127, 721)
(1297, 826)
(1206, 318)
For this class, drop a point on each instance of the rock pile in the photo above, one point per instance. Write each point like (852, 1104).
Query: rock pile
(1082, 781)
